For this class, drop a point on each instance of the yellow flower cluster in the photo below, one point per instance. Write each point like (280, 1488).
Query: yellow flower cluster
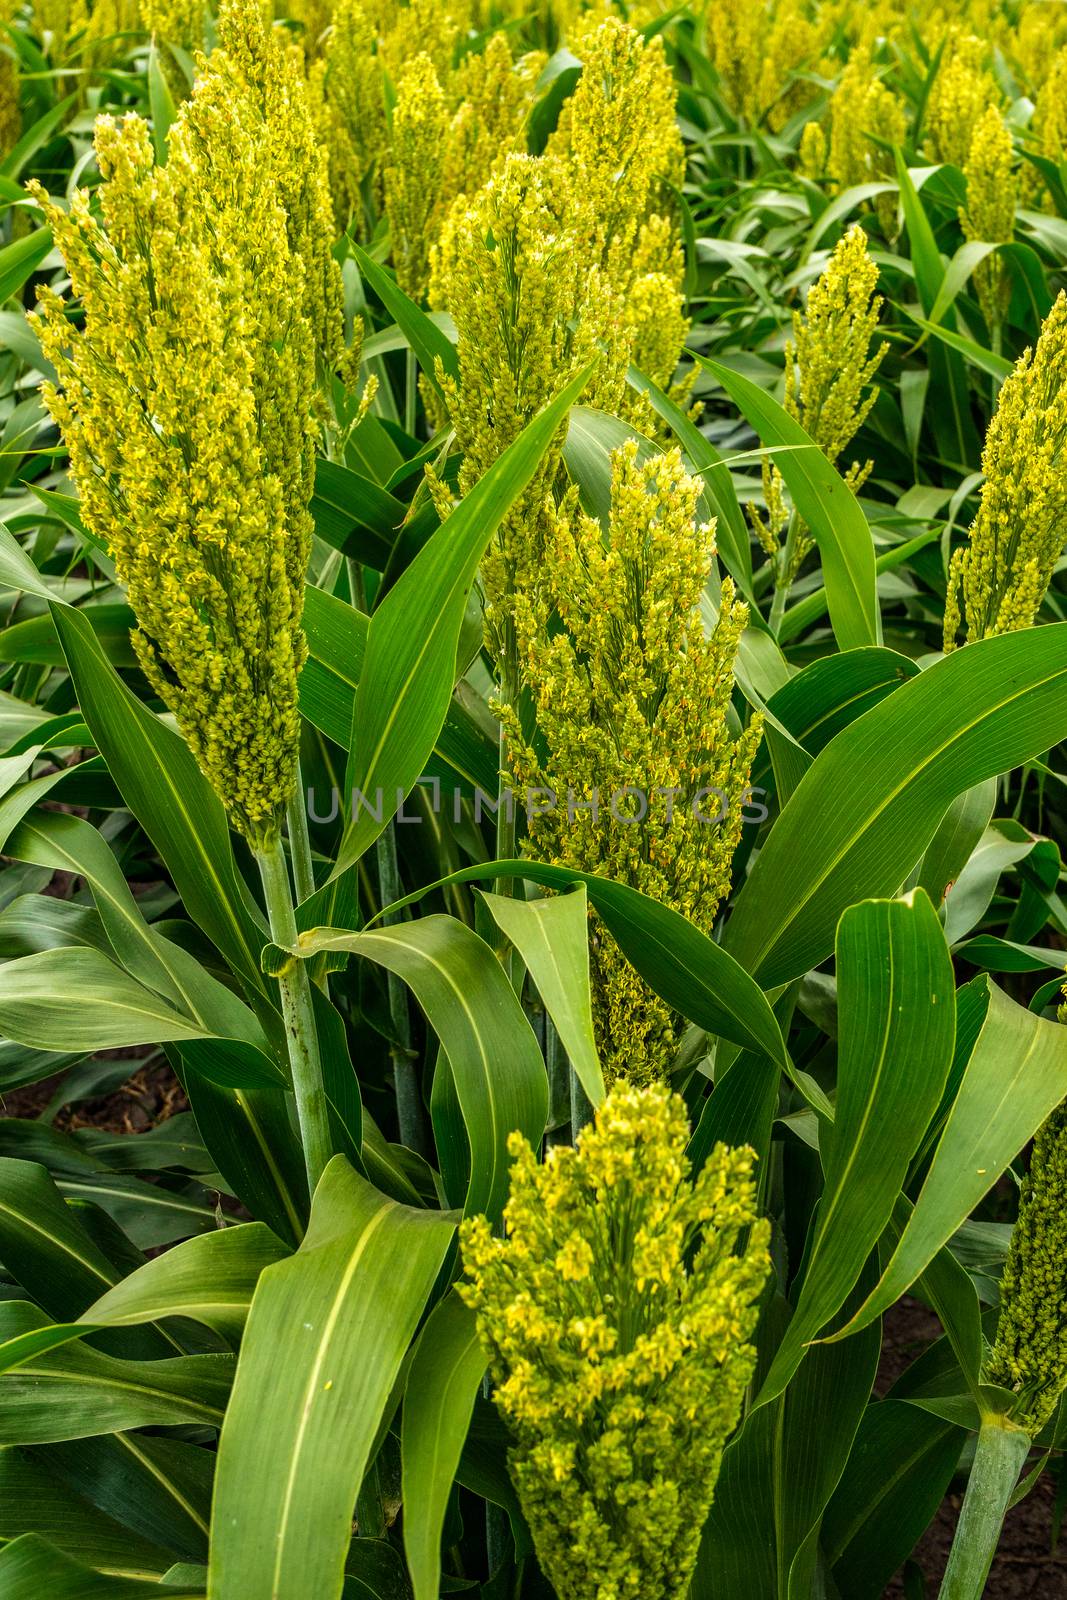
(178, 22)
(867, 121)
(961, 93)
(619, 140)
(829, 367)
(632, 745)
(618, 1313)
(530, 312)
(1049, 124)
(272, 74)
(185, 401)
(346, 92)
(989, 214)
(413, 178)
(10, 114)
(758, 50)
(1021, 527)
(560, 258)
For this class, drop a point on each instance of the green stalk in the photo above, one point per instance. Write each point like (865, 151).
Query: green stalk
(299, 840)
(411, 391)
(782, 582)
(298, 1014)
(405, 1079)
(998, 1460)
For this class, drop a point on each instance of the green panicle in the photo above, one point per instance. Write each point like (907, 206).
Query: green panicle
(185, 398)
(618, 1312)
(631, 702)
(1019, 533)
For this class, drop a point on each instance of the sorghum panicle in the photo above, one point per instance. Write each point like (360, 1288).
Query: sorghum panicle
(185, 399)
(618, 1312)
(631, 703)
(1019, 533)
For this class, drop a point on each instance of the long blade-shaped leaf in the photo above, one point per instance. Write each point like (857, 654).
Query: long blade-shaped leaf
(410, 666)
(827, 505)
(871, 801)
(897, 1011)
(1016, 1076)
(552, 937)
(327, 1333)
(443, 1383)
(498, 1069)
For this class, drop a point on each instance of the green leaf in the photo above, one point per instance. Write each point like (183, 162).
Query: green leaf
(1016, 1076)
(328, 1331)
(68, 844)
(170, 797)
(20, 260)
(17, 571)
(949, 399)
(826, 504)
(898, 1473)
(33, 1501)
(410, 665)
(691, 972)
(43, 1245)
(872, 800)
(161, 104)
(443, 1383)
(158, 1487)
(732, 534)
(104, 1008)
(427, 340)
(896, 1003)
(337, 643)
(31, 1567)
(76, 1391)
(210, 1279)
(498, 1069)
(552, 937)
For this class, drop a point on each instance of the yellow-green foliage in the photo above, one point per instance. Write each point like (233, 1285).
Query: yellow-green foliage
(618, 1323)
(185, 402)
(620, 140)
(179, 22)
(1019, 532)
(1049, 125)
(867, 121)
(10, 114)
(989, 214)
(271, 72)
(530, 312)
(631, 702)
(496, 93)
(345, 85)
(962, 91)
(413, 178)
(829, 368)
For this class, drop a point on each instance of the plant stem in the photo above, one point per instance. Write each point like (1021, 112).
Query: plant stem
(405, 1080)
(297, 1011)
(299, 841)
(782, 580)
(998, 1460)
(411, 392)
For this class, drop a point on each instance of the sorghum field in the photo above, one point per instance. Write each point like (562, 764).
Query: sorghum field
(533, 712)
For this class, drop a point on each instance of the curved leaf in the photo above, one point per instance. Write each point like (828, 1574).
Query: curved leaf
(299, 1431)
